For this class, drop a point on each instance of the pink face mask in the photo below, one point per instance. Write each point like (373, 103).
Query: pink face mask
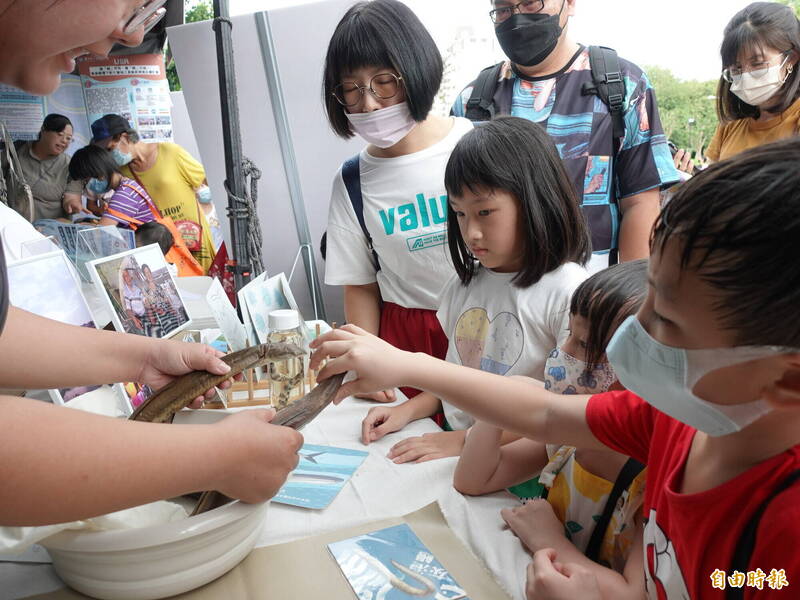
(383, 127)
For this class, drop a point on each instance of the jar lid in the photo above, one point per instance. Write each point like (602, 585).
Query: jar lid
(279, 320)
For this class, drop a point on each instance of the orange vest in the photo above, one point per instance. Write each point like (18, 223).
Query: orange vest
(179, 254)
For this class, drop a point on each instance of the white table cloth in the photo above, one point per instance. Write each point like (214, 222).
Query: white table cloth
(379, 489)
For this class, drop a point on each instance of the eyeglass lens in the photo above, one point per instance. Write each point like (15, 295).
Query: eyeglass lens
(503, 13)
(382, 86)
(758, 71)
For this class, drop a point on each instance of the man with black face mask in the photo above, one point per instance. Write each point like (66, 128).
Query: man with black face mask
(617, 178)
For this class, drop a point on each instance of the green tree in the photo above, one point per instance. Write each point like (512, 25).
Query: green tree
(795, 4)
(200, 11)
(687, 108)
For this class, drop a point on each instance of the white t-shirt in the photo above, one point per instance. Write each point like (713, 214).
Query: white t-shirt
(15, 232)
(405, 210)
(495, 326)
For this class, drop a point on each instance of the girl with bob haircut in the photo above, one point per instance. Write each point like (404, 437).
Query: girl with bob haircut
(519, 243)
(387, 221)
(758, 98)
(128, 202)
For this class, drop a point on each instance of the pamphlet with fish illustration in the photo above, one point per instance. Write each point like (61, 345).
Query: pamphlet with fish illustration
(394, 564)
(319, 476)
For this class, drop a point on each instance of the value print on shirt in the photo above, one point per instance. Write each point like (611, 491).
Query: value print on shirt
(423, 212)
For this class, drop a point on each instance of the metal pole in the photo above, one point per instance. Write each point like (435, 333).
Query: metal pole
(281, 115)
(232, 142)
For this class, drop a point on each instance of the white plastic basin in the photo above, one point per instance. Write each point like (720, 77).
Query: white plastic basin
(158, 561)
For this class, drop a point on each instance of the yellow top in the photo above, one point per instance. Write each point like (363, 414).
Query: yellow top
(578, 498)
(743, 134)
(171, 183)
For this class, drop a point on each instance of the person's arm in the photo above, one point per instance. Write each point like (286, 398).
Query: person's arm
(628, 585)
(486, 465)
(72, 203)
(362, 306)
(104, 357)
(639, 212)
(683, 161)
(550, 579)
(525, 410)
(99, 465)
(107, 222)
(383, 420)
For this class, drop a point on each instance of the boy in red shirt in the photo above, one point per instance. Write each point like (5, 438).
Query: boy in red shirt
(712, 362)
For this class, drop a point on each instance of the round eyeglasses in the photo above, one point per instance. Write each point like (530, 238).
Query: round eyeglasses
(382, 86)
(757, 70)
(498, 15)
(147, 15)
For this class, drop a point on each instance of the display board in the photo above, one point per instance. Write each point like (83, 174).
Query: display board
(298, 40)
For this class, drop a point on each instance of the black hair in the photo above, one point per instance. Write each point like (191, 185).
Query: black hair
(605, 300)
(55, 122)
(92, 161)
(154, 232)
(739, 224)
(323, 245)
(519, 157)
(382, 33)
(757, 26)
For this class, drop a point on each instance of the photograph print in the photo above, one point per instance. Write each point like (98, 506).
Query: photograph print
(140, 292)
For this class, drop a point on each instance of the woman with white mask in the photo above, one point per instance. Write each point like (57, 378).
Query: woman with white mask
(387, 226)
(758, 98)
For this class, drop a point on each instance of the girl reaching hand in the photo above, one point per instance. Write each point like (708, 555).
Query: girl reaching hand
(518, 241)
(580, 482)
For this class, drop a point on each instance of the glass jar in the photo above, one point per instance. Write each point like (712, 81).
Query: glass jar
(286, 377)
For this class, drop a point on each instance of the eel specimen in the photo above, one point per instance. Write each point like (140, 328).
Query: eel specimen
(179, 393)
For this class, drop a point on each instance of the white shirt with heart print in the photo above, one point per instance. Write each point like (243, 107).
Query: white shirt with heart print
(495, 326)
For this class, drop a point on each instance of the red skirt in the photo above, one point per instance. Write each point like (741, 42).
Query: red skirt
(414, 330)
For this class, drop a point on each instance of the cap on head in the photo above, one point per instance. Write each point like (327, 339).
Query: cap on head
(108, 126)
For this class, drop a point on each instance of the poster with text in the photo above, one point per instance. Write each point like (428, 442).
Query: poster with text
(23, 113)
(133, 86)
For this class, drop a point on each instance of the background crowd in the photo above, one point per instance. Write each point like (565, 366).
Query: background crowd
(626, 362)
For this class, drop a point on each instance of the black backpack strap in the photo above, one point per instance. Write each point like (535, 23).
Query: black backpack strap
(351, 175)
(747, 540)
(626, 476)
(609, 85)
(480, 106)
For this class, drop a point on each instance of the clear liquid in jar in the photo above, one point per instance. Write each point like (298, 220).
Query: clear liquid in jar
(286, 377)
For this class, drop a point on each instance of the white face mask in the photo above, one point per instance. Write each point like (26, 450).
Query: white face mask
(383, 127)
(664, 377)
(758, 90)
(565, 374)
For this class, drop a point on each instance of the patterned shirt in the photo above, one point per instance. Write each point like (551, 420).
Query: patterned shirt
(131, 200)
(580, 125)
